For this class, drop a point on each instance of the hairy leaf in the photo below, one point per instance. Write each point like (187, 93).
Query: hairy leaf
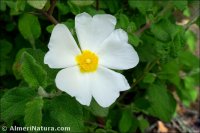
(163, 104)
(13, 103)
(67, 112)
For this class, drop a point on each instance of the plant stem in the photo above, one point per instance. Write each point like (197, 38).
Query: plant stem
(148, 23)
(97, 4)
(49, 13)
(146, 26)
(148, 67)
(50, 17)
(53, 4)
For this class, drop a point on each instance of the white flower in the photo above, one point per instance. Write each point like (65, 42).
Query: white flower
(87, 70)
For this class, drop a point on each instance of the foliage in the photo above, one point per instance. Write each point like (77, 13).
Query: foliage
(168, 68)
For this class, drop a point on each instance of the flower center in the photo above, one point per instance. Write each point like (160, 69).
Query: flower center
(87, 61)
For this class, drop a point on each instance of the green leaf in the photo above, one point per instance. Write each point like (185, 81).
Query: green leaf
(2, 5)
(5, 48)
(187, 91)
(29, 27)
(149, 78)
(16, 6)
(112, 5)
(133, 39)
(38, 4)
(190, 85)
(170, 72)
(163, 104)
(36, 58)
(82, 2)
(32, 72)
(191, 40)
(50, 28)
(63, 8)
(180, 4)
(171, 28)
(5, 59)
(123, 21)
(67, 112)
(74, 8)
(147, 45)
(98, 110)
(141, 103)
(142, 6)
(33, 112)
(188, 61)
(14, 101)
(159, 32)
(100, 130)
(131, 27)
(126, 121)
(143, 124)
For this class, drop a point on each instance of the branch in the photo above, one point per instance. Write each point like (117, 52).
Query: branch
(148, 67)
(97, 4)
(146, 26)
(148, 23)
(49, 13)
(50, 17)
(53, 4)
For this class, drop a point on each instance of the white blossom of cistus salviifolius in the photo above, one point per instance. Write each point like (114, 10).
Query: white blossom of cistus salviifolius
(87, 70)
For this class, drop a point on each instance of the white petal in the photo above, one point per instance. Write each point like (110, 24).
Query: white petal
(106, 85)
(75, 83)
(92, 31)
(62, 48)
(116, 53)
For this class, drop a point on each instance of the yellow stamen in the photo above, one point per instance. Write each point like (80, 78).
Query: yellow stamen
(87, 61)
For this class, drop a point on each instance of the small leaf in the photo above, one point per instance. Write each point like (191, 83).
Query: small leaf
(82, 2)
(36, 58)
(163, 104)
(133, 39)
(170, 72)
(16, 6)
(32, 72)
(112, 5)
(126, 121)
(2, 5)
(13, 102)
(188, 60)
(50, 28)
(143, 124)
(100, 130)
(123, 21)
(38, 4)
(98, 110)
(6, 61)
(29, 27)
(131, 27)
(159, 32)
(147, 45)
(142, 6)
(142, 103)
(188, 92)
(67, 112)
(180, 4)
(64, 9)
(149, 78)
(5, 48)
(74, 8)
(191, 40)
(33, 112)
